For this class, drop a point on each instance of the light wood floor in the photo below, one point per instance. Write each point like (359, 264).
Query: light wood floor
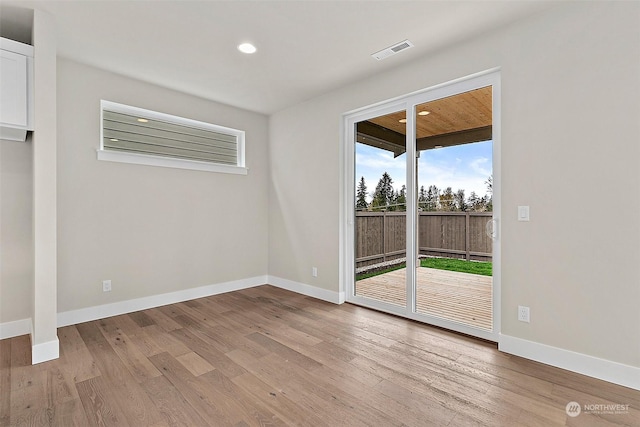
(461, 297)
(265, 356)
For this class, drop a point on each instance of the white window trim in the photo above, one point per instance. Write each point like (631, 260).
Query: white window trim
(169, 162)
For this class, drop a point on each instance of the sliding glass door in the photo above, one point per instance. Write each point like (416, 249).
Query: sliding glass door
(421, 207)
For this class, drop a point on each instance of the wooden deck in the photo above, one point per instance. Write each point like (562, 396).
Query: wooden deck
(461, 297)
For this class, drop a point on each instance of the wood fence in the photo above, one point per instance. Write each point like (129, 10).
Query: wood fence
(381, 236)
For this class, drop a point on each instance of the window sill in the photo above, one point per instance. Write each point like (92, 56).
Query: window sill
(145, 159)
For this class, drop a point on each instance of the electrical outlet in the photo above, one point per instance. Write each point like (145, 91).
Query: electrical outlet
(314, 271)
(523, 313)
(106, 286)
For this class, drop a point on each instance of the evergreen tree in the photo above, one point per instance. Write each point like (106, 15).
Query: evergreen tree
(447, 202)
(401, 199)
(361, 196)
(476, 204)
(383, 194)
(422, 199)
(393, 204)
(431, 198)
(460, 201)
(488, 203)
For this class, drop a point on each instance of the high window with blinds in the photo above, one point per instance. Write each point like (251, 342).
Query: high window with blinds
(134, 135)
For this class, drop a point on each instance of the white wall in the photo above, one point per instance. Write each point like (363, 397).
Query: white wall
(16, 246)
(570, 109)
(151, 230)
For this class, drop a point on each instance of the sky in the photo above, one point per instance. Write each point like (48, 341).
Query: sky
(464, 167)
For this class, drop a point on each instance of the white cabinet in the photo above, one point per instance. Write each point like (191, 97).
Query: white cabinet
(16, 90)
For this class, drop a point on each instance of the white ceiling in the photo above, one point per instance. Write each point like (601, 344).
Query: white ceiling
(305, 48)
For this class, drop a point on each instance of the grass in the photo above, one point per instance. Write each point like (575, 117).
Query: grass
(471, 267)
(460, 265)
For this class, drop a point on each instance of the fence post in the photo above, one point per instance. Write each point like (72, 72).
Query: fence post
(467, 239)
(384, 235)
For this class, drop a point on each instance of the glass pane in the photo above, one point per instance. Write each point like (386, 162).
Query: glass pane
(453, 137)
(380, 222)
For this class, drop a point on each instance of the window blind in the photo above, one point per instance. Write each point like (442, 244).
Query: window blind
(138, 134)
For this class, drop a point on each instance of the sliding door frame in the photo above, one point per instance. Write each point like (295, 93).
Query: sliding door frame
(408, 103)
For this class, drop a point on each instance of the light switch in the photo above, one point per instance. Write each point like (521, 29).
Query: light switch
(523, 213)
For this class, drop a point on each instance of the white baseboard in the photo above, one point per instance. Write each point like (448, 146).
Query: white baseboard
(45, 351)
(88, 314)
(308, 290)
(15, 328)
(73, 317)
(614, 372)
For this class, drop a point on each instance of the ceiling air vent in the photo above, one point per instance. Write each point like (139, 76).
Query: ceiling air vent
(392, 50)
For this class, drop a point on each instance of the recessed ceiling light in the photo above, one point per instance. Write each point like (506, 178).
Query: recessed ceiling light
(423, 113)
(403, 120)
(247, 48)
(113, 140)
(143, 120)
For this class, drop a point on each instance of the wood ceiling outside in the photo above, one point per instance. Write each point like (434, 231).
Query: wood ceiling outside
(455, 120)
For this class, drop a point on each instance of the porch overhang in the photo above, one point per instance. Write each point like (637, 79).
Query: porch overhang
(455, 120)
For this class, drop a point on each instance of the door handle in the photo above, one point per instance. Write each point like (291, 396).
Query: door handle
(491, 228)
